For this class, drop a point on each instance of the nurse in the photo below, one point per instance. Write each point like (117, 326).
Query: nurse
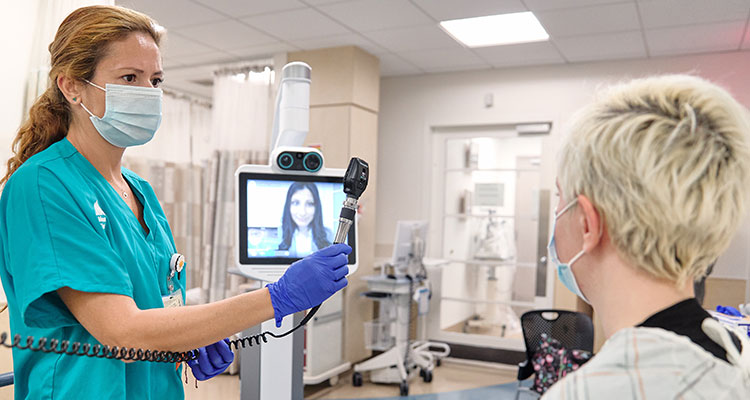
(653, 184)
(86, 253)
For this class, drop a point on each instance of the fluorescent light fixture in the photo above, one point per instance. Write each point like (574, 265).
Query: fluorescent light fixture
(495, 30)
(533, 129)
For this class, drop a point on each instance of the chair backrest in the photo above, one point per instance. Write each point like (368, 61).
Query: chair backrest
(572, 329)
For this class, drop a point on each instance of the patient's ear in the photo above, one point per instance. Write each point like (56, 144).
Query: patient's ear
(591, 222)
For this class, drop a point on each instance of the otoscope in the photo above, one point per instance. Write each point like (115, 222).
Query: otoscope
(355, 183)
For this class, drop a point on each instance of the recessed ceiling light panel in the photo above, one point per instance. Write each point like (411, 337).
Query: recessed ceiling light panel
(496, 30)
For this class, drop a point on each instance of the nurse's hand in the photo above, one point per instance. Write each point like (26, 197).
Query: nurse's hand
(212, 360)
(310, 281)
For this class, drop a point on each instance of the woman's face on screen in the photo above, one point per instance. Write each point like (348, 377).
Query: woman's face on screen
(302, 208)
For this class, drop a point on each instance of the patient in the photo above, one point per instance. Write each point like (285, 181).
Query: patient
(653, 184)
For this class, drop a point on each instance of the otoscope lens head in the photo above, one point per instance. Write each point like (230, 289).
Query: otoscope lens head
(356, 177)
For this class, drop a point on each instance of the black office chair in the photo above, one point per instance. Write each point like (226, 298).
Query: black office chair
(572, 329)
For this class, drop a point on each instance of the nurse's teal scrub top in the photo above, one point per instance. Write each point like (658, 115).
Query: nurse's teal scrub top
(62, 224)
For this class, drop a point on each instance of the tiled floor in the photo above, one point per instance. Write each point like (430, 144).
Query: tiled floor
(475, 382)
(505, 391)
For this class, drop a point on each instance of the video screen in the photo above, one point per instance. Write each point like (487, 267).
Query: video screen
(288, 218)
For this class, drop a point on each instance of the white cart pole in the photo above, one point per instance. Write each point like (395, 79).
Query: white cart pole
(273, 370)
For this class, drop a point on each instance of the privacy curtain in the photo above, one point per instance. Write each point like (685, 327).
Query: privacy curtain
(50, 13)
(240, 134)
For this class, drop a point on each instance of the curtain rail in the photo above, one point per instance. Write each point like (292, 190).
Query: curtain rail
(184, 96)
(242, 69)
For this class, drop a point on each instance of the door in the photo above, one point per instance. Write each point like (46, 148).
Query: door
(490, 220)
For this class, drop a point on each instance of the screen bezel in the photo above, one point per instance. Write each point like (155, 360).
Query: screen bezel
(242, 205)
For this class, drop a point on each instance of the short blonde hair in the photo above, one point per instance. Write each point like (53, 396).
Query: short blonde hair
(666, 161)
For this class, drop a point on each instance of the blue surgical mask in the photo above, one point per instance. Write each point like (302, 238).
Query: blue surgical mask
(132, 114)
(565, 270)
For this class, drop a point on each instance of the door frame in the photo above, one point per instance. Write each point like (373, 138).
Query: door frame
(434, 203)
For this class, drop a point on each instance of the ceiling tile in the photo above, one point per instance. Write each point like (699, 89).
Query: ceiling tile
(544, 5)
(349, 39)
(414, 38)
(606, 46)
(176, 45)
(521, 54)
(189, 73)
(404, 35)
(667, 13)
(319, 2)
(442, 10)
(696, 39)
(168, 63)
(243, 8)
(459, 69)
(442, 59)
(587, 20)
(254, 52)
(226, 35)
(373, 15)
(392, 65)
(174, 13)
(214, 57)
(297, 24)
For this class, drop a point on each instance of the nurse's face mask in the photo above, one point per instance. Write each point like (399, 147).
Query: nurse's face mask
(132, 114)
(564, 270)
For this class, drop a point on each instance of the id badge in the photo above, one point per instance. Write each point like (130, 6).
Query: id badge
(173, 299)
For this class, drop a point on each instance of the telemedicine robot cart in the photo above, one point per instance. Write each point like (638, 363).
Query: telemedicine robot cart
(274, 371)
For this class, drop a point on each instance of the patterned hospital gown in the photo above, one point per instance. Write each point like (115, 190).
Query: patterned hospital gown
(655, 364)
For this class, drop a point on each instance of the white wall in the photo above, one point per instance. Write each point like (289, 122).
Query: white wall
(410, 106)
(16, 30)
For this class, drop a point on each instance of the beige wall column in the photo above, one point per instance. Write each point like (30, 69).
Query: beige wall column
(344, 102)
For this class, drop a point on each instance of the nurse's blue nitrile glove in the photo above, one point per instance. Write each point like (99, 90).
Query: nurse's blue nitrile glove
(212, 360)
(728, 310)
(309, 281)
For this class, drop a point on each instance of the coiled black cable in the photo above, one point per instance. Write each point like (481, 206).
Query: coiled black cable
(46, 345)
(249, 341)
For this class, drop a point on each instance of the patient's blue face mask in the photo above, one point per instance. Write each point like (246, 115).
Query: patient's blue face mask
(564, 270)
(132, 114)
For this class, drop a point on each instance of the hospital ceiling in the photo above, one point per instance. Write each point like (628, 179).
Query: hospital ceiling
(405, 36)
